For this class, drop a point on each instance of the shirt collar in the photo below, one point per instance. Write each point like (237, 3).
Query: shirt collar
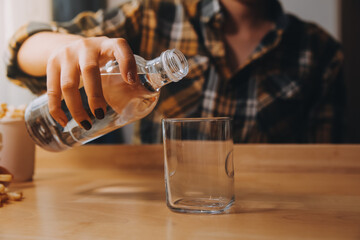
(211, 14)
(270, 40)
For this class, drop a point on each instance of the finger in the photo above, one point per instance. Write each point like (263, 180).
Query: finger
(92, 82)
(54, 92)
(125, 57)
(70, 77)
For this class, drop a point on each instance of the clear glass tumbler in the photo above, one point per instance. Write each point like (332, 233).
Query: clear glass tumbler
(199, 170)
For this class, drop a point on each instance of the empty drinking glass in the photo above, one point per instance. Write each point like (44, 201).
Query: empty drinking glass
(199, 170)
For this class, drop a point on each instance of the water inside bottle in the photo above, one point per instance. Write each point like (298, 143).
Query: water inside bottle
(126, 103)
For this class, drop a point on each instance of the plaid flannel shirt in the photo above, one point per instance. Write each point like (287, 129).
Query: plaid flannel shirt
(289, 90)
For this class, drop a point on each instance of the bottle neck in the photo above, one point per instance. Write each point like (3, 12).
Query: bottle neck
(171, 66)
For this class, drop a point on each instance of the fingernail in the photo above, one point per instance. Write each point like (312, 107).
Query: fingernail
(86, 124)
(130, 77)
(99, 113)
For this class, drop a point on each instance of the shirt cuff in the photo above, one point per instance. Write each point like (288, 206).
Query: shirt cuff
(36, 85)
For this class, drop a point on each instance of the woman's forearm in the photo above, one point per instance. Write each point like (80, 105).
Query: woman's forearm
(35, 51)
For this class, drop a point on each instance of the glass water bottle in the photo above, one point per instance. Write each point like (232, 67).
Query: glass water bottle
(125, 103)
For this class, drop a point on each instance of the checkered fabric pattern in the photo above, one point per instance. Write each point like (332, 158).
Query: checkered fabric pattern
(290, 90)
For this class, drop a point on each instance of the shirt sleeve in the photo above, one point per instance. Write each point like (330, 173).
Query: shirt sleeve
(326, 118)
(122, 21)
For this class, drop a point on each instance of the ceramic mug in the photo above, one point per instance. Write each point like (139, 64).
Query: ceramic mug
(17, 150)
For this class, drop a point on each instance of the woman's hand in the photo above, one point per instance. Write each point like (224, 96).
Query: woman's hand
(84, 57)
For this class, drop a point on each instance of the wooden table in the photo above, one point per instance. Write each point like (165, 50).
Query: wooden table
(117, 192)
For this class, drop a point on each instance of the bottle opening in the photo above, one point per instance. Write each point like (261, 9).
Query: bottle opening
(175, 64)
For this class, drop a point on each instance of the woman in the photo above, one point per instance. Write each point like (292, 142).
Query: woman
(277, 76)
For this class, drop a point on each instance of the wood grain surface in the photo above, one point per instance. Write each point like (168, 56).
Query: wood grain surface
(118, 192)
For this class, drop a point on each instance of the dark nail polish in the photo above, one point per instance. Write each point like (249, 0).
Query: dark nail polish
(86, 124)
(99, 113)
